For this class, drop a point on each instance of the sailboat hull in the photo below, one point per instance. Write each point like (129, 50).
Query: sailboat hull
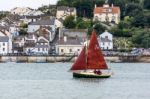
(90, 75)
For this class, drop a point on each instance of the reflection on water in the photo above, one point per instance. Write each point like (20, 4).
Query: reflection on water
(52, 81)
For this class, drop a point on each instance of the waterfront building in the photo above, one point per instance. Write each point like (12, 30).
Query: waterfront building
(107, 13)
(4, 45)
(69, 45)
(106, 41)
(6, 40)
(64, 11)
(39, 46)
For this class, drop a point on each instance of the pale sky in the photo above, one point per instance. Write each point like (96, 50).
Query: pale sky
(9, 4)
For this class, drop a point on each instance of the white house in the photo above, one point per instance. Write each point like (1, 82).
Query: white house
(69, 46)
(6, 40)
(107, 13)
(50, 23)
(64, 11)
(4, 45)
(41, 47)
(106, 41)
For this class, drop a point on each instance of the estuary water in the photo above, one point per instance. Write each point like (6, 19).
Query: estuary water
(53, 81)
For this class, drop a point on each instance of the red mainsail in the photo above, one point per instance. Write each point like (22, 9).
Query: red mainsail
(93, 59)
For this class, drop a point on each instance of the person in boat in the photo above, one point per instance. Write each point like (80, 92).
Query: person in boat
(97, 72)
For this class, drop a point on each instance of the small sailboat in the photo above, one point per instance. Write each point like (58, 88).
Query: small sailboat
(90, 63)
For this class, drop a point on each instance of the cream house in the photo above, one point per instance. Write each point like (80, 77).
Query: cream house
(64, 11)
(69, 46)
(107, 13)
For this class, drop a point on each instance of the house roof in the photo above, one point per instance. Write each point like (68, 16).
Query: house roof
(74, 32)
(44, 22)
(70, 41)
(31, 17)
(42, 41)
(4, 38)
(65, 8)
(113, 10)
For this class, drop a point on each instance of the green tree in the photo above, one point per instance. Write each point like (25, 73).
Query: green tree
(141, 38)
(99, 28)
(139, 20)
(147, 4)
(69, 22)
(132, 9)
(23, 32)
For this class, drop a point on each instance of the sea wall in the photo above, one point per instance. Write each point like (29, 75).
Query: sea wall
(35, 58)
(71, 59)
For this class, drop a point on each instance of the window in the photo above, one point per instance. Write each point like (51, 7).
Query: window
(3, 49)
(103, 43)
(3, 44)
(106, 36)
(43, 49)
(38, 49)
(70, 50)
(78, 49)
(62, 50)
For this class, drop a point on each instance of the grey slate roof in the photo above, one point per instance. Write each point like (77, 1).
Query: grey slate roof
(4, 38)
(70, 41)
(65, 8)
(74, 32)
(44, 22)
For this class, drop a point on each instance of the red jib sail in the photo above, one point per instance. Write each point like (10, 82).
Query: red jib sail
(80, 63)
(93, 59)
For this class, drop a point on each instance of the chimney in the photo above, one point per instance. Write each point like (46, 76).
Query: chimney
(65, 38)
(95, 5)
(112, 5)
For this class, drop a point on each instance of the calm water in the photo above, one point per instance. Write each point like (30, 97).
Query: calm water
(52, 81)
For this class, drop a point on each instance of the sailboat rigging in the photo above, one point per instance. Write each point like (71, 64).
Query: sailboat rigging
(90, 61)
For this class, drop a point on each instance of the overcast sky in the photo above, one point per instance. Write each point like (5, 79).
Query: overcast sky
(9, 4)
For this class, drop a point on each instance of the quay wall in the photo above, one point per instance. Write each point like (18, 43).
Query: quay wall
(35, 58)
(71, 59)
